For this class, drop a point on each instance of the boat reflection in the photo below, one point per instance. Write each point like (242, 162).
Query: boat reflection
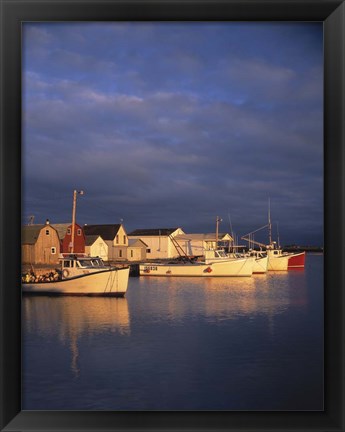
(228, 298)
(69, 318)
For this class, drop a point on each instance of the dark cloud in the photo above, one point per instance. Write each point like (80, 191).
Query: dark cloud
(173, 124)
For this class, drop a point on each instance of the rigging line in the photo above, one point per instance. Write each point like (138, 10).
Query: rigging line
(108, 282)
(116, 281)
(260, 264)
(244, 263)
(111, 281)
(105, 288)
(252, 232)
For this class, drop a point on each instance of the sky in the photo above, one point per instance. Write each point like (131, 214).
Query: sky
(171, 124)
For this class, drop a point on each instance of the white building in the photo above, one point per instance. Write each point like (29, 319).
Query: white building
(115, 237)
(96, 246)
(196, 244)
(136, 250)
(159, 241)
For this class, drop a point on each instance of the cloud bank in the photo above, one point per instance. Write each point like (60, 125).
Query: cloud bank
(173, 124)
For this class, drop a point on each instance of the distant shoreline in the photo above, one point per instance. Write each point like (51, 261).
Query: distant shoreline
(308, 249)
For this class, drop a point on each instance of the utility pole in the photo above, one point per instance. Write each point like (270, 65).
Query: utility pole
(75, 192)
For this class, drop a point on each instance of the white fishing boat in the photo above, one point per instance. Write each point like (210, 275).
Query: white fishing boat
(261, 261)
(216, 264)
(79, 275)
(277, 259)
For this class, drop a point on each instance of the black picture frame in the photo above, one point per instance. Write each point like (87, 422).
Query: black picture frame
(13, 13)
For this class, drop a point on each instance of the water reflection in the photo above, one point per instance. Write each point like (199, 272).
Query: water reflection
(69, 318)
(180, 344)
(223, 298)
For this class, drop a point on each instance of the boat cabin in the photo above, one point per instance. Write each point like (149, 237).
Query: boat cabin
(212, 255)
(256, 254)
(76, 265)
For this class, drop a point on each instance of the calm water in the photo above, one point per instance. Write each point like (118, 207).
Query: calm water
(180, 344)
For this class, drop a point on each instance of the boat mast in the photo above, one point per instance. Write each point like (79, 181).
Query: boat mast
(278, 236)
(75, 192)
(231, 242)
(218, 219)
(269, 222)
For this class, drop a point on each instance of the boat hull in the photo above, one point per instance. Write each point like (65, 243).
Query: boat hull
(233, 268)
(277, 263)
(112, 282)
(260, 265)
(297, 261)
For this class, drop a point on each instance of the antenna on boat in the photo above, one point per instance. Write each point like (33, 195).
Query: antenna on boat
(231, 232)
(278, 236)
(269, 222)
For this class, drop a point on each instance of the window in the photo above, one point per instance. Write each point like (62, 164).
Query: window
(53, 250)
(47, 232)
(124, 239)
(79, 232)
(117, 239)
(120, 253)
(148, 250)
(131, 253)
(69, 231)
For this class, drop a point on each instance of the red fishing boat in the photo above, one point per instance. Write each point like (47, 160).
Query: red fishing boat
(296, 260)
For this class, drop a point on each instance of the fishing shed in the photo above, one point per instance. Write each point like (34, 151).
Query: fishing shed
(40, 244)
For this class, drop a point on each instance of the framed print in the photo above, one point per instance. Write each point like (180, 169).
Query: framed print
(150, 125)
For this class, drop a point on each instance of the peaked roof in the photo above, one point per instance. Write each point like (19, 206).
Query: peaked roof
(30, 233)
(204, 237)
(107, 232)
(61, 229)
(153, 232)
(90, 239)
